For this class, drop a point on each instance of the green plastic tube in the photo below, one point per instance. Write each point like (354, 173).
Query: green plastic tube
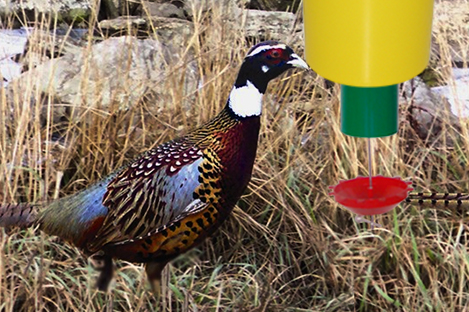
(369, 112)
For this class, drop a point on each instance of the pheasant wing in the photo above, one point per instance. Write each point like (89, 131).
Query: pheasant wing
(151, 192)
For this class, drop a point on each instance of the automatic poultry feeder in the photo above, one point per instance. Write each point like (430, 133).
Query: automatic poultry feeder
(368, 47)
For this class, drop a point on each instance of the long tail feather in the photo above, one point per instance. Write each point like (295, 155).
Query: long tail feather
(21, 215)
(439, 200)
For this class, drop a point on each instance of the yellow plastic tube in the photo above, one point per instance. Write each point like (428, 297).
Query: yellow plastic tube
(368, 43)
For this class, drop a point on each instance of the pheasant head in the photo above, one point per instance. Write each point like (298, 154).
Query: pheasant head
(264, 62)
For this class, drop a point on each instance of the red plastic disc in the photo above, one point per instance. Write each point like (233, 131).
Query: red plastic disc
(356, 195)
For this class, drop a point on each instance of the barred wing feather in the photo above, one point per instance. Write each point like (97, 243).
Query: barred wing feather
(150, 193)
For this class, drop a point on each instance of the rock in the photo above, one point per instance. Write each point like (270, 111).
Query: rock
(457, 93)
(272, 25)
(109, 9)
(275, 5)
(126, 7)
(114, 74)
(161, 10)
(203, 6)
(427, 111)
(449, 27)
(123, 24)
(25, 48)
(253, 23)
(68, 10)
(9, 70)
(12, 44)
(174, 30)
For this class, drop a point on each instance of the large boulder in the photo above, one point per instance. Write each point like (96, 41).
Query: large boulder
(25, 48)
(113, 74)
(427, 112)
(12, 43)
(196, 7)
(456, 92)
(449, 27)
(256, 24)
(162, 10)
(174, 30)
(68, 10)
(272, 25)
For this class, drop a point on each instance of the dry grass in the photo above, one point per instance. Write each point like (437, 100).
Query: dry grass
(288, 246)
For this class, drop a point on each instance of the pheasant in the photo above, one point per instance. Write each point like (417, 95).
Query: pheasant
(170, 198)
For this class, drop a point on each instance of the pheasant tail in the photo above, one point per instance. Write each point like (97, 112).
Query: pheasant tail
(439, 200)
(20, 215)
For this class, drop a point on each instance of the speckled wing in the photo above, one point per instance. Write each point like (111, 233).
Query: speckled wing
(151, 192)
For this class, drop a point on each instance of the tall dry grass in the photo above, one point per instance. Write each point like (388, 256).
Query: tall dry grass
(288, 246)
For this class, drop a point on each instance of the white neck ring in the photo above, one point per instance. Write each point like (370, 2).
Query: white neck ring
(246, 101)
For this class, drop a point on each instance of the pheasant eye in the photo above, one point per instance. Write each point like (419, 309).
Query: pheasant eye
(275, 53)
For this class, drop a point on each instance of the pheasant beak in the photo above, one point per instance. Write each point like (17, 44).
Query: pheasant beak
(297, 61)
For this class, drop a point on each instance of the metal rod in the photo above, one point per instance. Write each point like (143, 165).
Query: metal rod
(369, 163)
(370, 174)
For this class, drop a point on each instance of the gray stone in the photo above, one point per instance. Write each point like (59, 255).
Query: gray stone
(275, 5)
(457, 92)
(427, 110)
(113, 74)
(457, 52)
(202, 6)
(272, 25)
(450, 27)
(64, 8)
(12, 43)
(174, 30)
(25, 48)
(123, 23)
(161, 10)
